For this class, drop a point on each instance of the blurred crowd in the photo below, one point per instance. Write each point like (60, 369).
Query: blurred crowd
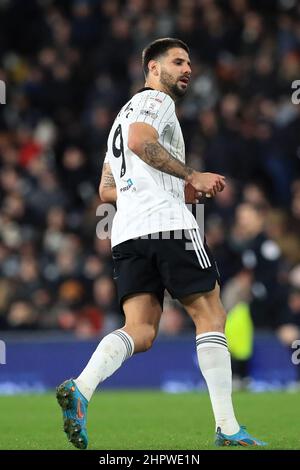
(69, 66)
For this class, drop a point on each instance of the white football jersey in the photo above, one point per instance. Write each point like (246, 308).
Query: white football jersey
(148, 200)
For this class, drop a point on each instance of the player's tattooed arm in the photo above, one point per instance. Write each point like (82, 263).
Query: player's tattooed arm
(158, 157)
(155, 155)
(143, 141)
(107, 188)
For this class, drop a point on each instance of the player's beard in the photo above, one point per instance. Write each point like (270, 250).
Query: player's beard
(167, 81)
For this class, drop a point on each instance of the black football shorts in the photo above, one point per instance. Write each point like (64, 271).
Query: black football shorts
(182, 264)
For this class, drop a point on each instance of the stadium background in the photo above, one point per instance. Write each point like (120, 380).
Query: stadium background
(69, 66)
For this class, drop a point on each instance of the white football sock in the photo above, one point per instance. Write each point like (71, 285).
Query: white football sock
(108, 357)
(215, 365)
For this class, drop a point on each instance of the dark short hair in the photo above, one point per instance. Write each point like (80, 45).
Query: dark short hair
(160, 47)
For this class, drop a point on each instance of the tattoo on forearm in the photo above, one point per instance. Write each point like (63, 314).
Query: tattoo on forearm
(108, 179)
(158, 157)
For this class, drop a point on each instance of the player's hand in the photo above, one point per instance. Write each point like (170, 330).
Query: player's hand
(207, 183)
(192, 196)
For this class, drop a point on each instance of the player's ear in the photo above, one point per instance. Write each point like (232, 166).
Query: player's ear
(153, 66)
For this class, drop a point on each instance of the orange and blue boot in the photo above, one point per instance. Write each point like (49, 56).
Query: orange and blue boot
(74, 408)
(241, 438)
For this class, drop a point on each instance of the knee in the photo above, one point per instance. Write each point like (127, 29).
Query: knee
(213, 320)
(219, 320)
(143, 336)
(148, 336)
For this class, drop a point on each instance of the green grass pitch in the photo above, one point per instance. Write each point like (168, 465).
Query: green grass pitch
(148, 420)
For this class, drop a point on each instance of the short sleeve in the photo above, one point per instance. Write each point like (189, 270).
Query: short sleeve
(157, 109)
